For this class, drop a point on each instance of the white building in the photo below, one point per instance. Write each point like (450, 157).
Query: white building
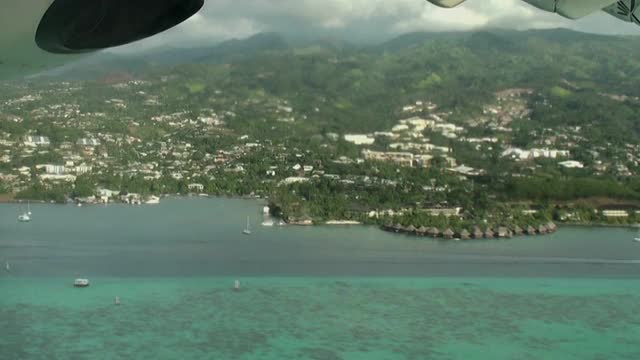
(52, 169)
(54, 177)
(34, 141)
(572, 164)
(359, 139)
(294, 180)
(520, 154)
(88, 142)
(400, 128)
(196, 187)
(83, 169)
(615, 213)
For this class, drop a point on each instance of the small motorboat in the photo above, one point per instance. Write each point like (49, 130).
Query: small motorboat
(81, 283)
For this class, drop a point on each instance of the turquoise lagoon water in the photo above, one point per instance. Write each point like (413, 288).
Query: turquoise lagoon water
(307, 293)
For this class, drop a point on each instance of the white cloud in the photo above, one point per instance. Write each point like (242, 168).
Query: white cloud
(225, 19)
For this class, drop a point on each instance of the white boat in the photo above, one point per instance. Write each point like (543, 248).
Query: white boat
(81, 283)
(247, 230)
(7, 266)
(25, 216)
(637, 238)
(153, 200)
(236, 285)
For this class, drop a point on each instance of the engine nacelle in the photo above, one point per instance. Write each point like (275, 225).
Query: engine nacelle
(572, 9)
(36, 35)
(447, 3)
(627, 10)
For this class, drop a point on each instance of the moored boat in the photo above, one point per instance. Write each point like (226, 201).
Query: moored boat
(81, 283)
(153, 200)
(247, 230)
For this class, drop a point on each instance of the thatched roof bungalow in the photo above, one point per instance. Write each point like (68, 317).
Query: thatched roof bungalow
(448, 234)
(551, 227)
(489, 233)
(517, 230)
(504, 232)
(530, 230)
(433, 232)
(542, 229)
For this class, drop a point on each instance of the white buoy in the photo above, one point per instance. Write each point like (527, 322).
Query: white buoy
(117, 300)
(236, 285)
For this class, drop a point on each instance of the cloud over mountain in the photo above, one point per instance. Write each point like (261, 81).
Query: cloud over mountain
(368, 20)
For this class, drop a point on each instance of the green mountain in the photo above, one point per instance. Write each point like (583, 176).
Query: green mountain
(579, 79)
(104, 63)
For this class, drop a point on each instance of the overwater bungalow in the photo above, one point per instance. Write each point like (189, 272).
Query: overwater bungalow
(433, 232)
(398, 228)
(530, 230)
(448, 234)
(489, 233)
(410, 229)
(504, 232)
(465, 235)
(542, 229)
(517, 230)
(551, 227)
(422, 231)
(477, 233)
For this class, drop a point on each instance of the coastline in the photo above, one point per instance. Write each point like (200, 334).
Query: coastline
(601, 225)
(9, 199)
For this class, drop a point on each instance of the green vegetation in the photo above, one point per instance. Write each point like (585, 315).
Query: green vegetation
(244, 118)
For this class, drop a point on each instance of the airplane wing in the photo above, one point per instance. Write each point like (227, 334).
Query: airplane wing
(625, 10)
(36, 35)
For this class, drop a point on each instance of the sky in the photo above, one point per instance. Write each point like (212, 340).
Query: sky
(366, 20)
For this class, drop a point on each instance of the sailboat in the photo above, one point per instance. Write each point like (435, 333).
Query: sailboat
(7, 267)
(637, 238)
(26, 216)
(247, 230)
